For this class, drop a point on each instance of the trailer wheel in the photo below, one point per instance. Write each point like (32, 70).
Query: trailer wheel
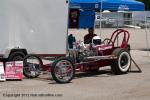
(32, 66)
(63, 70)
(123, 62)
(16, 56)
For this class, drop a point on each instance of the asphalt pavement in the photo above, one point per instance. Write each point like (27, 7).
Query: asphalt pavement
(97, 86)
(85, 86)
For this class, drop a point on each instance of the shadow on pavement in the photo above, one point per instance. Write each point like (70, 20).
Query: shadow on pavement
(101, 73)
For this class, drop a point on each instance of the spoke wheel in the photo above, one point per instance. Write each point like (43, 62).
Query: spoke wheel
(32, 66)
(63, 70)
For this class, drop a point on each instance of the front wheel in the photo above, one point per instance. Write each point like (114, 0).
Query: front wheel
(32, 66)
(123, 62)
(63, 70)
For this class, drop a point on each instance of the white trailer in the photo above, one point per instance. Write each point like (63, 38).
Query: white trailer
(34, 27)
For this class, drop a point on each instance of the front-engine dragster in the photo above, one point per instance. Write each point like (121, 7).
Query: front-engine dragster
(90, 58)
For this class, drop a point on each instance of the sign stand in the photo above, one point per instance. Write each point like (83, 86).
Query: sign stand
(2, 73)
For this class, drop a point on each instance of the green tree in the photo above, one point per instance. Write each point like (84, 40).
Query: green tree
(147, 4)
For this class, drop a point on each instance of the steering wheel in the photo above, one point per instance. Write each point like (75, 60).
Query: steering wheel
(107, 41)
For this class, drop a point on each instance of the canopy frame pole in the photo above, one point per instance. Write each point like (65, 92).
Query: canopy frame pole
(100, 22)
(146, 31)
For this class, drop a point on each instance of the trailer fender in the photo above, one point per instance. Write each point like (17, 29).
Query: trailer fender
(10, 53)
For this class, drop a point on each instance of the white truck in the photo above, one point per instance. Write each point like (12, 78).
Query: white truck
(33, 27)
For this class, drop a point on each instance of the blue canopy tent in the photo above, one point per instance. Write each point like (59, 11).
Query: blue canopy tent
(86, 12)
(115, 5)
(87, 8)
(84, 4)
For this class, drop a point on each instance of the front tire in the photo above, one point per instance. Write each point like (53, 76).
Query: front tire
(32, 66)
(63, 70)
(123, 62)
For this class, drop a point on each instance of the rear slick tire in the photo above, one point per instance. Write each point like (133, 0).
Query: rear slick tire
(123, 62)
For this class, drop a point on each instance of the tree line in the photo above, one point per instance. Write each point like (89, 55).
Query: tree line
(147, 4)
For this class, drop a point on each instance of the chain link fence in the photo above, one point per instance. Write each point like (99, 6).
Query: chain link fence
(137, 23)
